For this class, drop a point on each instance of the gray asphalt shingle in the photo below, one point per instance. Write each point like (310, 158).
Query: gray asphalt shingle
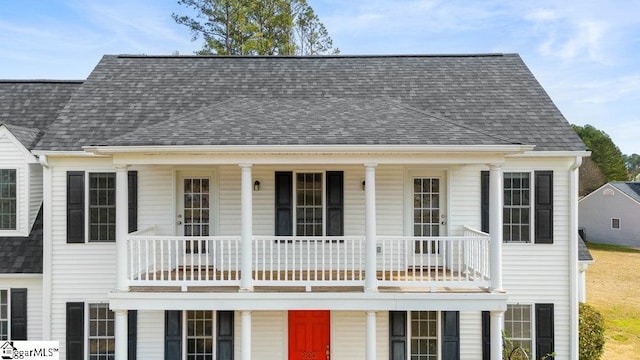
(28, 107)
(23, 255)
(630, 188)
(458, 100)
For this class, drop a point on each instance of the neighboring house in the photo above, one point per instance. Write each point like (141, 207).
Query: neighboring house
(347, 207)
(26, 110)
(611, 214)
(584, 260)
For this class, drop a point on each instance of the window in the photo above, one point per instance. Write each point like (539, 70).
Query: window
(518, 326)
(309, 207)
(102, 207)
(102, 341)
(4, 315)
(424, 335)
(200, 335)
(426, 213)
(615, 223)
(7, 199)
(517, 207)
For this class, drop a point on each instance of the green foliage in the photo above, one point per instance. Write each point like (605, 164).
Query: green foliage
(511, 351)
(603, 152)
(632, 162)
(591, 330)
(256, 27)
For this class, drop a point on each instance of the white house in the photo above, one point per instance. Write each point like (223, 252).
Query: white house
(339, 207)
(611, 214)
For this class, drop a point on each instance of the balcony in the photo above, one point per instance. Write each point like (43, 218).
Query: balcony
(215, 263)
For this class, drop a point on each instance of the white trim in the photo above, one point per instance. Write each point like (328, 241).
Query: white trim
(47, 250)
(619, 224)
(547, 154)
(87, 322)
(8, 319)
(357, 301)
(532, 330)
(21, 276)
(438, 331)
(22, 202)
(28, 156)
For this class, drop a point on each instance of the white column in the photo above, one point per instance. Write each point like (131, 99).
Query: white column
(371, 336)
(121, 333)
(246, 226)
(496, 191)
(573, 259)
(245, 335)
(370, 284)
(497, 318)
(122, 226)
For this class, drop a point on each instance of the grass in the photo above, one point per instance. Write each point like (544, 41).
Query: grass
(613, 287)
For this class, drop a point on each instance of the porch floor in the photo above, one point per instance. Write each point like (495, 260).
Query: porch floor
(211, 274)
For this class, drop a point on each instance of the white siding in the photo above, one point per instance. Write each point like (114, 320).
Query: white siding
(150, 334)
(34, 302)
(470, 335)
(35, 192)
(80, 272)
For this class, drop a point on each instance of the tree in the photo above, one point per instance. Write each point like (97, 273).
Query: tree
(632, 162)
(256, 27)
(603, 152)
(591, 177)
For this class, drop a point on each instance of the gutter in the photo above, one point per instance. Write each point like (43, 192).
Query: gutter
(47, 247)
(573, 258)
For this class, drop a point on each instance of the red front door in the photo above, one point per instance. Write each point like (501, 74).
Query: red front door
(309, 335)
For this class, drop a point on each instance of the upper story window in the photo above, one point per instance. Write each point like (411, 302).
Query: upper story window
(102, 207)
(309, 207)
(8, 199)
(517, 207)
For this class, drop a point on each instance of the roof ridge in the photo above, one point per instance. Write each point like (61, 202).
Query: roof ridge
(363, 56)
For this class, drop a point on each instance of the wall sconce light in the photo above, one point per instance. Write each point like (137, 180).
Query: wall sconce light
(363, 185)
(256, 185)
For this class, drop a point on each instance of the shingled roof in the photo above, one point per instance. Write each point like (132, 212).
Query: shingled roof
(387, 100)
(23, 255)
(631, 188)
(28, 107)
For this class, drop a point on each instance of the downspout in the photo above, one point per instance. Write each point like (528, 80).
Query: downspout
(573, 257)
(46, 246)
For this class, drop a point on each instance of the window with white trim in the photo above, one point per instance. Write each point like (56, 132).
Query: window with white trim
(518, 326)
(102, 340)
(517, 207)
(424, 335)
(8, 199)
(4, 314)
(309, 209)
(102, 207)
(615, 223)
(200, 337)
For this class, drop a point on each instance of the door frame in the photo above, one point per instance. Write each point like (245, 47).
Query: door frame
(439, 173)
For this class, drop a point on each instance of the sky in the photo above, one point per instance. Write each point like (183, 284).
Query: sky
(585, 53)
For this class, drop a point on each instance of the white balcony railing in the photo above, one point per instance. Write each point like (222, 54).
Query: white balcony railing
(452, 261)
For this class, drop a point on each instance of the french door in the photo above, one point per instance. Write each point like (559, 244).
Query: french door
(194, 213)
(428, 211)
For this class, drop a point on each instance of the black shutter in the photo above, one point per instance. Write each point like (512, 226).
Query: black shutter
(75, 331)
(224, 339)
(173, 335)
(18, 314)
(544, 207)
(284, 204)
(133, 201)
(544, 329)
(484, 201)
(486, 335)
(132, 334)
(335, 203)
(397, 335)
(450, 335)
(75, 206)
